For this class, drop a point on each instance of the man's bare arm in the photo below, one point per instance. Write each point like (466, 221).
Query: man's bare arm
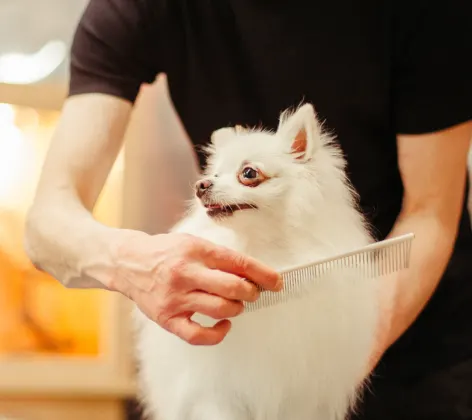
(169, 276)
(61, 233)
(434, 170)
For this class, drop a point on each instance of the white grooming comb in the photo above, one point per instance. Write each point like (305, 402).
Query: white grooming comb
(374, 260)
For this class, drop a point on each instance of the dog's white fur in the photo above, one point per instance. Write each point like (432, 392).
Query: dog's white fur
(303, 360)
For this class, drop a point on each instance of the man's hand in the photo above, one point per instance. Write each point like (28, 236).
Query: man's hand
(170, 277)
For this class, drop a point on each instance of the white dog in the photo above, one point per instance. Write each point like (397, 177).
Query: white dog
(282, 198)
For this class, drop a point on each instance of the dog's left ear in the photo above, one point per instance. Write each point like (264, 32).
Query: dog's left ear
(220, 136)
(300, 132)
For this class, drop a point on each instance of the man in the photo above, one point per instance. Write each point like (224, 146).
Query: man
(393, 81)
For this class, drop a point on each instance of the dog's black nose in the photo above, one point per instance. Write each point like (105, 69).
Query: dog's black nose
(202, 187)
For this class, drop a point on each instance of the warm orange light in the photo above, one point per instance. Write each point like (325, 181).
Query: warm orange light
(37, 314)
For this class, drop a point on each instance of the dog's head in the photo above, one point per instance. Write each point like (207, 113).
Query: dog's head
(259, 174)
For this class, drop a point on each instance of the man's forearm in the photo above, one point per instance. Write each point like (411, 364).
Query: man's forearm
(62, 237)
(433, 168)
(404, 295)
(65, 241)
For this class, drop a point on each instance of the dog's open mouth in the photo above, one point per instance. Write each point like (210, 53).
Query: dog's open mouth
(215, 209)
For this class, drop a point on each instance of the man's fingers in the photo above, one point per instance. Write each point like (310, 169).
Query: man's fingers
(232, 262)
(193, 333)
(224, 284)
(213, 306)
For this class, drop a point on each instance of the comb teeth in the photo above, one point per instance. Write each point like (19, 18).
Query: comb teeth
(375, 260)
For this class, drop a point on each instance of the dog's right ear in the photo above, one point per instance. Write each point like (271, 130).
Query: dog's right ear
(301, 132)
(222, 135)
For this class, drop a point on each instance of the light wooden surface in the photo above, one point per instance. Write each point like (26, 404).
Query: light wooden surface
(111, 373)
(50, 409)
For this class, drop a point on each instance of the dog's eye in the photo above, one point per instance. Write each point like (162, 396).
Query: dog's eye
(249, 173)
(251, 177)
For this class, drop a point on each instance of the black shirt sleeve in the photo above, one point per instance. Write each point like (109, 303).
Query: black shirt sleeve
(432, 72)
(115, 48)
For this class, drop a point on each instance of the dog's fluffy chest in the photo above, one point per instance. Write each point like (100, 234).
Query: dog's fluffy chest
(288, 361)
(283, 199)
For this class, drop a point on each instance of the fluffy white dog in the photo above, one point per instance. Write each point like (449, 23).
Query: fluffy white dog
(284, 199)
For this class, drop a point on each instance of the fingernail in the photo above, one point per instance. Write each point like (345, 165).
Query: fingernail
(255, 295)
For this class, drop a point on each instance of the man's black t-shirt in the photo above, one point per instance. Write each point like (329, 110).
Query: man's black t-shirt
(373, 69)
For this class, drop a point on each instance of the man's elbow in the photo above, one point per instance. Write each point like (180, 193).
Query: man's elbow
(31, 238)
(41, 222)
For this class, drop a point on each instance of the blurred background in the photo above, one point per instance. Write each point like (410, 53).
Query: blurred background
(66, 353)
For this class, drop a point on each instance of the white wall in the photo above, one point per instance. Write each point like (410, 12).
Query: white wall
(160, 164)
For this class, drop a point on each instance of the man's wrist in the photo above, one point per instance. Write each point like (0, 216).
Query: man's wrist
(386, 317)
(96, 260)
(105, 262)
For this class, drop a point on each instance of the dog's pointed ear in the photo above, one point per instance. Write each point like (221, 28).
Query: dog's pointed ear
(220, 136)
(301, 132)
